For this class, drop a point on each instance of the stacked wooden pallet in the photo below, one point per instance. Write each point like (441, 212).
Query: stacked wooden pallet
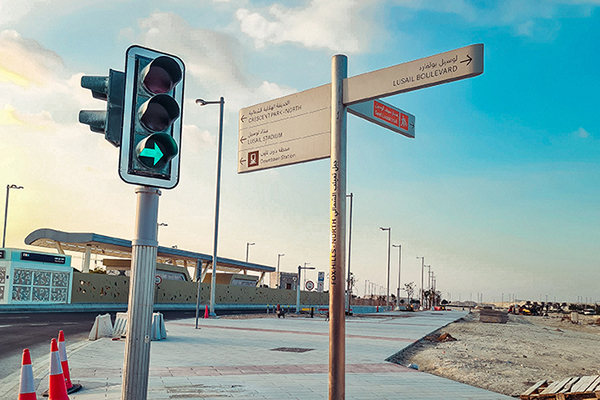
(493, 316)
(575, 388)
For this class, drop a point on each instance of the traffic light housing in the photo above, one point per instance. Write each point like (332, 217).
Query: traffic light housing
(110, 88)
(153, 107)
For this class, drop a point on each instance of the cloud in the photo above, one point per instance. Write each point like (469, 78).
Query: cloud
(338, 25)
(215, 61)
(36, 89)
(25, 62)
(214, 57)
(582, 133)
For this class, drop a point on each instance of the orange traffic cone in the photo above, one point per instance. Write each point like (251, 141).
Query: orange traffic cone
(206, 312)
(64, 363)
(27, 387)
(57, 389)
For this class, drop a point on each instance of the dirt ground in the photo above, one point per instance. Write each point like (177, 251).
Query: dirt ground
(509, 358)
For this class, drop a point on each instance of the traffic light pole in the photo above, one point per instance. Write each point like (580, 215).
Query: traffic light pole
(141, 296)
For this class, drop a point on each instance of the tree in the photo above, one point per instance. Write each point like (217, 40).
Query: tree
(410, 290)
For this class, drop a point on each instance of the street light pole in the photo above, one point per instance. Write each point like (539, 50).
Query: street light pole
(388, 264)
(277, 273)
(300, 268)
(8, 187)
(349, 290)
(422, 270)
(399, 246)
(248, 249)
(213, 278)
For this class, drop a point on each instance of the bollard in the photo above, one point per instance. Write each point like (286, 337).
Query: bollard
(312, 312)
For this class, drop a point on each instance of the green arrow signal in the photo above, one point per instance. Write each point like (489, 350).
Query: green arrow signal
(152, 153)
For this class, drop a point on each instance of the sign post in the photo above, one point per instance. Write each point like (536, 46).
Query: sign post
(310, 125)
(337, 232)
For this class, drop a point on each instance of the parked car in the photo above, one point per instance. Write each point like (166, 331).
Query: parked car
(589, 311)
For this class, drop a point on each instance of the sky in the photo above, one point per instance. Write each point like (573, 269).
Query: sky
(499, 191)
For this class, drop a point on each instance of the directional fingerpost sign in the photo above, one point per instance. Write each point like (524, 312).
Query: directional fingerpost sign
(310, 125)
(454, 65)
(385, 115)
(287, 130)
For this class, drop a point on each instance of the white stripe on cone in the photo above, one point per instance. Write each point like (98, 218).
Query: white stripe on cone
(27, 386)
(62, 352)
(57, 388)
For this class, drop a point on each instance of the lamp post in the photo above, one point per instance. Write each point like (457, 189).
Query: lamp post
(8, 187)
(349, 290)
(428, 283)
(399, 246)
(213, 278)
(422, 291)
(277, 273)
(158, 226)
(300, 268)
(388, 264)
(248, 249)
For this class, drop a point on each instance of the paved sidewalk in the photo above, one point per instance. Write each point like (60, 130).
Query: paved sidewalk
(265, 358)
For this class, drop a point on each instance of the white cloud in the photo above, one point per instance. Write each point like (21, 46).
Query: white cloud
(214, 61)
(338, 25)
(211, 56)
(582, 133)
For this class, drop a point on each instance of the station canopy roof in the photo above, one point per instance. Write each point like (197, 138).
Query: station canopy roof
(121, 248)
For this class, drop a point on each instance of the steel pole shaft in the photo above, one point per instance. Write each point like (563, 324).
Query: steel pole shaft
(388, 268)
(141, 296)
(349, 295)
(5, 216)
(213, 278)
(337, 328)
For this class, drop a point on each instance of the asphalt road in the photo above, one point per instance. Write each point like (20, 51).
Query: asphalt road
(34, 331)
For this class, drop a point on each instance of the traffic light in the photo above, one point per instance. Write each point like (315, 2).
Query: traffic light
(110, 88)
(153, 108)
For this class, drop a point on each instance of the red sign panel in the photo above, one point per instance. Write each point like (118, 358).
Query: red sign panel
(388, 114)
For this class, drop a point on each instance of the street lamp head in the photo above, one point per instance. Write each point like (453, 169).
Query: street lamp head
(384, 229)
(13, 186)
(250, 244)
(397, 245)
(203, 102)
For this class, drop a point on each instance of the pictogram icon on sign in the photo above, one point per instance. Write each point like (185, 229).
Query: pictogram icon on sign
(310, 285)
(253, 159)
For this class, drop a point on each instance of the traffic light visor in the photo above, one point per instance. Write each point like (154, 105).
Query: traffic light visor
(161, 75)
(158, 113)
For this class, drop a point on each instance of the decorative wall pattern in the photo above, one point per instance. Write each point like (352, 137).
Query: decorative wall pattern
(39, 286)
(2, 282)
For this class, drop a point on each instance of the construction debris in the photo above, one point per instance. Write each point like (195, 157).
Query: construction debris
(572, 388)
(493, 316)
(444, 337)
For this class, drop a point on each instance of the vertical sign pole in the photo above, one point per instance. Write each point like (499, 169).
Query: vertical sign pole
(141, 296)
(337, 328)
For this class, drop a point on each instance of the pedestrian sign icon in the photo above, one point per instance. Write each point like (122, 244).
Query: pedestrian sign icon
(253, 159)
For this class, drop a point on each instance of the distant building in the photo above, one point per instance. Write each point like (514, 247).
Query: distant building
(287, 280)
